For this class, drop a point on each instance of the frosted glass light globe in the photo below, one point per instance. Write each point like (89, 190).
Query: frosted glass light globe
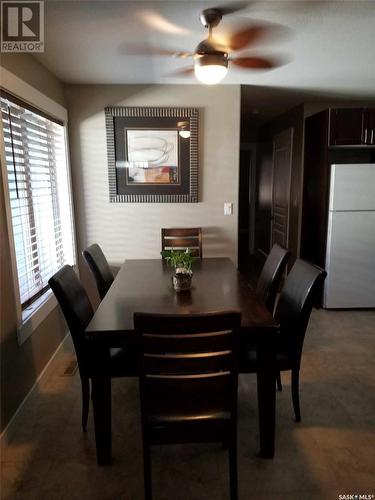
(210, 74)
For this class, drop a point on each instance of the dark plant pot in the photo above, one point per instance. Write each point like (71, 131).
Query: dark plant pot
(181, 282)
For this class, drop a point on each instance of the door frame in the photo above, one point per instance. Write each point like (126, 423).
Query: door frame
(291, 131)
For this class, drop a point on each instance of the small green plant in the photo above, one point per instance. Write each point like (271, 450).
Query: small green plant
(181, 261)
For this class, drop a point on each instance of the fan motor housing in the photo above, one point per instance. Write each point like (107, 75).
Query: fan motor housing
(214, 58)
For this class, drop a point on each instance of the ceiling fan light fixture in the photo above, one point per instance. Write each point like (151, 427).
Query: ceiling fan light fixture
(210, 69)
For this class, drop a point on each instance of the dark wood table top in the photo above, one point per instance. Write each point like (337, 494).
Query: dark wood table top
(146, 286)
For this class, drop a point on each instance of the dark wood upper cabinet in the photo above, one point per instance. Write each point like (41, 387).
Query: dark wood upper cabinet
(369, 126)
(352, 127)
(346, 127)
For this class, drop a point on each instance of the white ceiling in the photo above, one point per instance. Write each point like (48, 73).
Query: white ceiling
(329, 45)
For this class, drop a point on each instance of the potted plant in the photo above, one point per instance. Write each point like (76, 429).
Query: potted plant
(182, 262)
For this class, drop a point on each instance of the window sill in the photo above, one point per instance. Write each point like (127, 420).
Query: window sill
(33, 316)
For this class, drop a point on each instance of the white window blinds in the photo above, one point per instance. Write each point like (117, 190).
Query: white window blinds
(39, 195)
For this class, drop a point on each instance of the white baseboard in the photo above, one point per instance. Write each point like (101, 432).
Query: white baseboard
(44, 373)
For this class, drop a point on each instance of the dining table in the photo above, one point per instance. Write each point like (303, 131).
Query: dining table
(145, 285)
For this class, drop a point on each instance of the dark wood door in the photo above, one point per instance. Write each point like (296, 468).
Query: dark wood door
(282, 161)
(369, 126)
(347, 127)
(263, 199)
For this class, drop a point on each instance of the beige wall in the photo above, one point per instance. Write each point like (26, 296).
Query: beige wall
(21, 365)
(31, 71)
(127, 230)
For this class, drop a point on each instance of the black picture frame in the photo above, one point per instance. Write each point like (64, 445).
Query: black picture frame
(122, 125)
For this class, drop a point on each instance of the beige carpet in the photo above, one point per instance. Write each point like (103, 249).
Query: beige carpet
(331, 453)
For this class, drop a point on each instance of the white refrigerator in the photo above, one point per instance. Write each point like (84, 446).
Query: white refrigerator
(350, 254)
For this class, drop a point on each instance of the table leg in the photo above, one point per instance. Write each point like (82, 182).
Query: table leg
(101, 399)
(266, 377)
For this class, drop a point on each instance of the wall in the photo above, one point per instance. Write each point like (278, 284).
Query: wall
(21, 365)
(292, 119)
(129, 230)
(28, 69)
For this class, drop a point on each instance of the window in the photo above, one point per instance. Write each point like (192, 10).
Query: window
(39, 190)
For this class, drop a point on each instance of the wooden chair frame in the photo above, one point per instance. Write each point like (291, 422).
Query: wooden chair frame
(188, 382)
(181, 238)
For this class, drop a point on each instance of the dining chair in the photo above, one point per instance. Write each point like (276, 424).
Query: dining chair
(269, 282)
(182, 238)
(78, 312)
(188, 383)
(271, 275)
(99, 267)
(293, 312)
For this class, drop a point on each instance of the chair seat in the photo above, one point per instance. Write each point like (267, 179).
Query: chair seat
(123, 362)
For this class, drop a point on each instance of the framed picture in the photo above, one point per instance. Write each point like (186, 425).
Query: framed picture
(152, 154)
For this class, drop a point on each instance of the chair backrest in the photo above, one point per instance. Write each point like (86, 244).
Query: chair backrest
(271, 275)
(75, 305)
(99, 267)
(188, 364)
(295, 304)
(182, 238)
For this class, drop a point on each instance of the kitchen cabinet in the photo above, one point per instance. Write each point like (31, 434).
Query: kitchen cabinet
(318, 158)
(369, 126)
(352, 127)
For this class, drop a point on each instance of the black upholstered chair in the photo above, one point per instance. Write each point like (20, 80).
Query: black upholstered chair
(99, 267)
(271, 275)
(269, 281)
(188, 383)
(78, 312)
(292, 313)
(181, 238)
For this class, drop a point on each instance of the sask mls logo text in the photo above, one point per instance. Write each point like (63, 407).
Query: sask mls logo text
(22, 26)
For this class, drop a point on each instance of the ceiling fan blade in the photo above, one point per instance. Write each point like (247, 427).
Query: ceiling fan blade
(182, 72)
(231, 7)
(254, 63)
(140, 49)
(294, 5)
(156, 21)
(246, 36)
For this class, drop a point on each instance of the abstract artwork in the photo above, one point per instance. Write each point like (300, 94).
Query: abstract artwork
(152, 157)
(152, 154)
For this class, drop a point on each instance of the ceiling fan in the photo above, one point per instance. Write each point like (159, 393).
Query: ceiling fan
(212, 57)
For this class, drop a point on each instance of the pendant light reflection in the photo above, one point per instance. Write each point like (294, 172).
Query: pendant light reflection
(184, 132)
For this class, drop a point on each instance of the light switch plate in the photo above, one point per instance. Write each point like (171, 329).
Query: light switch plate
(228, 208)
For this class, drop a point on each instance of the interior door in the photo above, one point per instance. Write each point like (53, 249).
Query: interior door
(282, 161)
